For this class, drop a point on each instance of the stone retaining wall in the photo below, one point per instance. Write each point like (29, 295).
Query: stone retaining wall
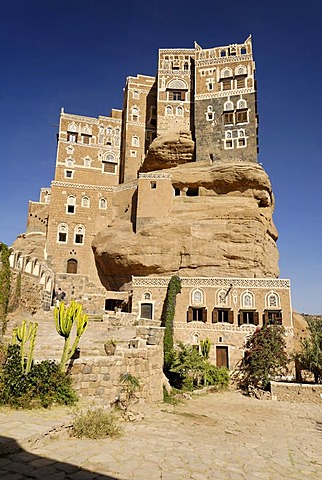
(99, 377)
(297, 392)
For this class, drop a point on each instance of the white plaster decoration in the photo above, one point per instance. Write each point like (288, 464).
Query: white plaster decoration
(86, 129)
(241, 104)
(247, 300)
(221, 60)
(240, 70)
(81, 185)
(72, 127)
(155, 175)
(235, 297)
(272, 300)
(197, 297)
(228, 106)
(70, 149)
(177, 84)
(207, 96)
(190, 282)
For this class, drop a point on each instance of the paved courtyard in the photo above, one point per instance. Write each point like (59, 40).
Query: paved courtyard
(217, 436)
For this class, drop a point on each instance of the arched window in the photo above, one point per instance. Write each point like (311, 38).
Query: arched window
(71, 266)
(102, 204)
(228, 134)
(79, 234)
(109, 131)
(247, 300)
(272, 300)
(197, 297)
(226, 73)
(223, 53)
(71, 204)
(168, 110)
(210, 113)
(228, 106)
(243, 51)
(240, 70)
(222, 297)
(147, 296)
(241, 133)
(62, 233)
(85, 202)
(179, 111)
(109, 163)
(195, 338)
(135, 141)
(135, 94)
(241, 104)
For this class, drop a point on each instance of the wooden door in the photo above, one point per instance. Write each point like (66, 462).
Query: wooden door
(146, 310)
(222, 357)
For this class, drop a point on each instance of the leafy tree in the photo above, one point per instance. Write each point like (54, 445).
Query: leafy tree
(310, 357)
(265, 357)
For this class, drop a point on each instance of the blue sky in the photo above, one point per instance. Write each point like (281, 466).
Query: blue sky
(77, 54)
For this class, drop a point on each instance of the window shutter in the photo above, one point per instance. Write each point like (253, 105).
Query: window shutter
(265, 318)
(256, 318)
(189, 315)
(214, 315)
(183, 96)
(204, 315)
(240, 319)
(231, 316)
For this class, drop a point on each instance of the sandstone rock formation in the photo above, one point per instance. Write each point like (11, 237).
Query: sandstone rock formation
(169, 150)
(226, 230)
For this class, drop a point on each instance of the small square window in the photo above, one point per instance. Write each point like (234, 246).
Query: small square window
(86, 139)
(242, 142)
(62, 237)
(228, 144)
(79, 238)
(70, 208)
(133, 153)
(69, 173)
(153, 184)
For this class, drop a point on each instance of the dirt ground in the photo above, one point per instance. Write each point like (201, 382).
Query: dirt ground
(216, 436)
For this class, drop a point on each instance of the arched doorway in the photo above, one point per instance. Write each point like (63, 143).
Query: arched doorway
(72, 265)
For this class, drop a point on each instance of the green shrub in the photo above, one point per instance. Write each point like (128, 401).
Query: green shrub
(95, 423)
(218, 377)
(43, 386)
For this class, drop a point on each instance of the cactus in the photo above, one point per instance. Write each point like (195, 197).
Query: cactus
(23, 334)
(205, 347)
(64, 320)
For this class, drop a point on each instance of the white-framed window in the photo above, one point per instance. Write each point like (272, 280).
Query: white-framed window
(85, 201)
(228, 142)
(179, 111)
(241, 70)
(168, 110)
(228, 106)
(62, 233)
(135, 114)
(69, 162)
(109, 130)
(101, 134)
(197, 297)
(71, 204)
(135, 141)
(69, 173)
(273, 300)
(195, 338)
(222, 297)
(147, 296)
(117, 132)
(79, 234)
(133, 153)
(117, 141)
(247, 300)
(210, 113)
(241, 104)
(210, 84)
(226, 73)
(135, 94)
(241, 140)
(87, 161)
(102, 204)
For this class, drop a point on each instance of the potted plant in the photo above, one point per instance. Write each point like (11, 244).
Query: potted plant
(110, 346)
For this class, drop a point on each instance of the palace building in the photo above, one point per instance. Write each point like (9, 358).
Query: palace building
(168, 185)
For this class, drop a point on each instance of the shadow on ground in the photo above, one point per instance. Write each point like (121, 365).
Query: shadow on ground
(16, 463)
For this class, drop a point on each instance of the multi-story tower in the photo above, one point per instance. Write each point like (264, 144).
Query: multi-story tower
(139, 124)
(175, 90)
(87, 166)
(225, 103)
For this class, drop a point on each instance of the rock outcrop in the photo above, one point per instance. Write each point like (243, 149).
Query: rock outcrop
(169, 150)
(225, 230)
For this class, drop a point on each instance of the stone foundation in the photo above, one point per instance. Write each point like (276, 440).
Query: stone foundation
(297, 392)
(99, 377)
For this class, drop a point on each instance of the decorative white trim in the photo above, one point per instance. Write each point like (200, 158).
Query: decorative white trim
(220, 60)
(190, 282)
(225, 93)
(155, 175)
(55, 183)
